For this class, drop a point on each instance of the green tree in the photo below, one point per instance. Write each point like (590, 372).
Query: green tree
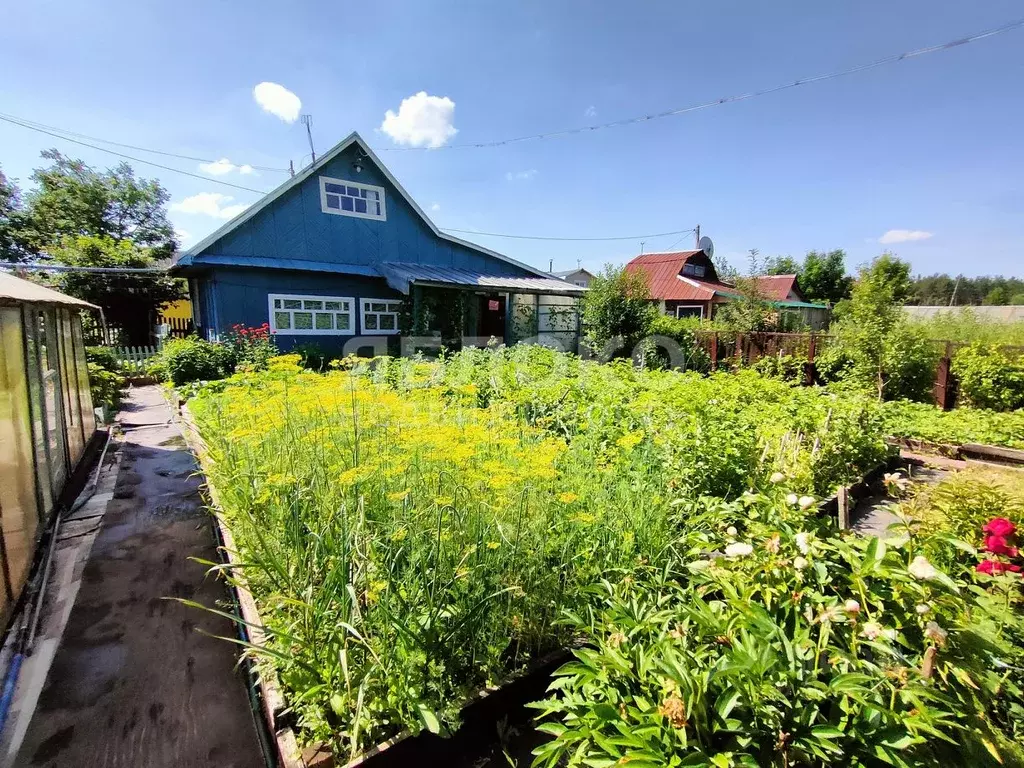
(781, 265)
(82, 217)
(129, 300)
(750, 311)
(12, 221)
(72, 199)
(874, 335)
(1017, 300)
(996, 297)
(617, 306)
(823, 277)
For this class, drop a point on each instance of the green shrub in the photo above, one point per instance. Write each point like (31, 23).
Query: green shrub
(785, 367)
(963, 425)
(192, 359)
(105, 386)
(989, 378)
(690, 354)
(104, 357)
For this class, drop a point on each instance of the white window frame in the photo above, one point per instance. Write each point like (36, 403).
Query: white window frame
(314, 331)
(690, 306)
(325, 180)
(365, 302)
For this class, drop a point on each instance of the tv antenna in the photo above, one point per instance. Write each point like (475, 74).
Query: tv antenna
(307, 120)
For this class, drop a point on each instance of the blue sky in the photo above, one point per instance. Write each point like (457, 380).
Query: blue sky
(928, 146)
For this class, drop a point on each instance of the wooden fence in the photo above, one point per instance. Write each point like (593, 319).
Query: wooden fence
(731, 349)
(135, 360)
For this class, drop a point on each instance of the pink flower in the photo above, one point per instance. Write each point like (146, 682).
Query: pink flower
(1000, 526)
(992, 567)
(998, 545)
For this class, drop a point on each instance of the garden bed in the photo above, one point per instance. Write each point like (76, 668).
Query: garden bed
(996, 454)
(413, 532)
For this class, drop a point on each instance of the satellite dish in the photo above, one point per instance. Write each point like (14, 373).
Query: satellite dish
(707, 246)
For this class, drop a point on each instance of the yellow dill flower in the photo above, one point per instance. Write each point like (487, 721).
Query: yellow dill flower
(630, 440)
(568, 497)
(399, 535)
(444, 501)
(493, 544)
(398, 495)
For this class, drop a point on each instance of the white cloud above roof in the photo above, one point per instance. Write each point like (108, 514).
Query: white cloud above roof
(225, 166)
(213, 204)
(904, 236)
(422, 120)
(278, 101)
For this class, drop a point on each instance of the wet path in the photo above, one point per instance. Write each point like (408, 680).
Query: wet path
(133, 681)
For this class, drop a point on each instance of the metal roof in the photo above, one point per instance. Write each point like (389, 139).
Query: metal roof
(401, 276)
(14, 289)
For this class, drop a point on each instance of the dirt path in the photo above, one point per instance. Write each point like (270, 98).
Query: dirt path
(133, 681)
(872, 516)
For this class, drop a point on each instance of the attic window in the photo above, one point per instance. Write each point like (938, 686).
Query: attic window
(694, 270)
(349, 198)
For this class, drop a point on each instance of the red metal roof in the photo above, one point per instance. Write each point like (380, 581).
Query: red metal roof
(664, 275)
(779, 287)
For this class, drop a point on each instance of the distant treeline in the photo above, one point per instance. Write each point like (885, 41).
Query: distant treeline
(938, 290)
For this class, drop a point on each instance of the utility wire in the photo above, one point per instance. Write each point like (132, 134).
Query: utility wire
(573, 239)
(728, 99)
(88, 270)
(43, 126)
(130, 157)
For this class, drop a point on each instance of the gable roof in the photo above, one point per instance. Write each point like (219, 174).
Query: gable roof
(779, 287)
(189, 254)
(666, 281)
(563, 273)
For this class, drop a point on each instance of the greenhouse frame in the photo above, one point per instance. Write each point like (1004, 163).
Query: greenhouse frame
(46, 418)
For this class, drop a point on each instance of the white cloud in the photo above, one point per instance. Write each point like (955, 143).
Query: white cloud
(422, 121)
(210, 204)
(182, 235)
(277, 100)
(904, 236)
(591, 111)
(435, 207)
(521, 175)
(224, 166)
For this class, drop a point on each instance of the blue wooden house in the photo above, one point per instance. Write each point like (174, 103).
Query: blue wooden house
(342, 256)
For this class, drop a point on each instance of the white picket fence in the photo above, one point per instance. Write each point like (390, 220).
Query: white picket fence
(135, 360)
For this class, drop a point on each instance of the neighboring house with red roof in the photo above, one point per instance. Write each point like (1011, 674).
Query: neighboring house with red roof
(686, 284)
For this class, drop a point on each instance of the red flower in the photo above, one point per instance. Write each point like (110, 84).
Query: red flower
(992, 567)
(1000, 526)
(998, 545)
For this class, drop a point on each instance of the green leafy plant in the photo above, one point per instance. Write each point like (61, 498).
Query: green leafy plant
(192, 359)
(768, 640)
(989, 378)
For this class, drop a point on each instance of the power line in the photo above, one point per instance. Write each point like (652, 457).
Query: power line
(89, 270)
(43, 126)
(130, 157)
(573, 239)
(728, 99)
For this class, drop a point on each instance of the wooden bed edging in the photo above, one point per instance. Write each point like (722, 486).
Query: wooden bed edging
(480, 714)
(837, 505)
(973, 451)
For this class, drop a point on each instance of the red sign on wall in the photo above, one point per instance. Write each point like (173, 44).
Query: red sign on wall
(493, 305)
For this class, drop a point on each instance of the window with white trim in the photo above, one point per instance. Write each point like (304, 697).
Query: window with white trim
(350, 198)
(690, 310)
(380, 315)
(311, 315)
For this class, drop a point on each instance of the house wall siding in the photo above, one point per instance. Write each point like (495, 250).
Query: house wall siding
(295, 227)
(240, 296)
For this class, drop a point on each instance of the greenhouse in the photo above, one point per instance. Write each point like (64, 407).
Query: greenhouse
(46, 418)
